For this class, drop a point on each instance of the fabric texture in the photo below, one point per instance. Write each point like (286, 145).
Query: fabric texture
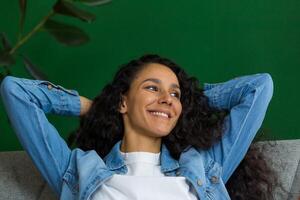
(144, 180)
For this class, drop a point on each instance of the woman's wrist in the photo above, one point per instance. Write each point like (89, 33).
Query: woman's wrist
(85, 105)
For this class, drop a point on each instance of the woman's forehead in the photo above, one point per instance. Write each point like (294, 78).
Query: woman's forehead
(157, 71)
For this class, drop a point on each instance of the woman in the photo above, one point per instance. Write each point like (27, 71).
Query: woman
(152, 133)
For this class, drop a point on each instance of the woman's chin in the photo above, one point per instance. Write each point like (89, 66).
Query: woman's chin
(161, 132)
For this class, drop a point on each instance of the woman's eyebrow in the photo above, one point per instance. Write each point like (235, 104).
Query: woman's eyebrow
(173, 85)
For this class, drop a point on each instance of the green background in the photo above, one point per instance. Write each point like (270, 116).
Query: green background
(213, 40)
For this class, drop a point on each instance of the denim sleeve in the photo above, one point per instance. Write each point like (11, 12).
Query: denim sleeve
(247, 98)
(26, 103)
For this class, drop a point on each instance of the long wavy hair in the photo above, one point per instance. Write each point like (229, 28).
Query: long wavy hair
(199, 124)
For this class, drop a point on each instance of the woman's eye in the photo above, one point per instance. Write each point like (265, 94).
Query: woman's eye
(155, 88)
(176, 94)
(152, 87)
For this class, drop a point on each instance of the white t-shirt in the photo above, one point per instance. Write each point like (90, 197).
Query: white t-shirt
(144, 181)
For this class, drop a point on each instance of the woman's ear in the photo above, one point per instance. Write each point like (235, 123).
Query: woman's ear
(123, 105)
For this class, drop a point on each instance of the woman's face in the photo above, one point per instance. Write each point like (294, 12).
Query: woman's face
(152, 105)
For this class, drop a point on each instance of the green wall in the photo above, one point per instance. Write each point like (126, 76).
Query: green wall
(213, 40)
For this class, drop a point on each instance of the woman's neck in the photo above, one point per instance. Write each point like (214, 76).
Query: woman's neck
(132, 143)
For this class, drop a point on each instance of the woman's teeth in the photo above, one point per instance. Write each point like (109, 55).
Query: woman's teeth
(160, 114)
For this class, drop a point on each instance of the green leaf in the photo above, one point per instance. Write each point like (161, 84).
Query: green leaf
(66, 34)
(94, 2)
(22, 5)
(6, 59)
(66, 8)
(33, 70)
(5, 43)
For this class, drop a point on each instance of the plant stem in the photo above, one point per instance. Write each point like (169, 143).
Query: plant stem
(33, 31)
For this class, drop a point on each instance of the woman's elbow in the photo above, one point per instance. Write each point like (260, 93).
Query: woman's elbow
(8, 85)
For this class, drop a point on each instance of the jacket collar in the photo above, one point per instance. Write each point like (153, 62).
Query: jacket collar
(114, 159)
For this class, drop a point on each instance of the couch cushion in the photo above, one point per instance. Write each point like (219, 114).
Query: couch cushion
(20, 180)
(284, 157)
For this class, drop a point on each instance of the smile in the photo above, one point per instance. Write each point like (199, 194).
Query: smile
(159, 114)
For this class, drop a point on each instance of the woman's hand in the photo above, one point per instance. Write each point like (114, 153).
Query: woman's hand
(85, 105)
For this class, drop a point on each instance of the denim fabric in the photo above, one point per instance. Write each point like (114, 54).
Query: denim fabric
(76, 174)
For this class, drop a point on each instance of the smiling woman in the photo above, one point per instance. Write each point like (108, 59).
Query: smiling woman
(150, 109)
(152, 133)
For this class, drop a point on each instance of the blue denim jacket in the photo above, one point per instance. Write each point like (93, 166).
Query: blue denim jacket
(76, 174)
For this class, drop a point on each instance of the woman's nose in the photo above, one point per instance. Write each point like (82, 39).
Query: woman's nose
(166, 98)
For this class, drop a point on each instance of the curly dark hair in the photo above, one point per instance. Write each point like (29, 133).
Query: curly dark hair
(253, 178)
(199, 124)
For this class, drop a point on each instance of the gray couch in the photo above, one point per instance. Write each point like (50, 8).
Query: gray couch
(20, 180)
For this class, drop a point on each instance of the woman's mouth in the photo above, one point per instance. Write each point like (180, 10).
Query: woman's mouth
(160, 114)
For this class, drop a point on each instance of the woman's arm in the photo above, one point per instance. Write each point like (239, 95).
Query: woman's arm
(85, 105)
(26, 102)
(247, 98)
